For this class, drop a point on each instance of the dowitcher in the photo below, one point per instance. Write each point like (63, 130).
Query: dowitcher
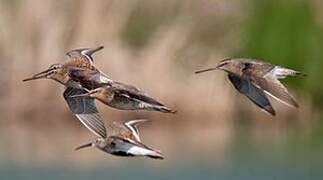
(125, 97)
(124, 141)
(82, 107)
(77, 59)
(113, 93)
(255, 79)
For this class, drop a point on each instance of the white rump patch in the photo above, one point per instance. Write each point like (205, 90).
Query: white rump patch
(280, 73)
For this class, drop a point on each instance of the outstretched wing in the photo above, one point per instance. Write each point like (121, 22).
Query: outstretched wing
(274, 88)
(135, 93)
(84, 53)
(256, 95)
(265, 76)
(85, 110)
(132, 126)
(127, 130)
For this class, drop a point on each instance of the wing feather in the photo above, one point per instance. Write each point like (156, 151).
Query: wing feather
(132, 126)
(256, 95)
(264, 76)
(85, 110)
(274, 88)
(84, 54)
(133, 92)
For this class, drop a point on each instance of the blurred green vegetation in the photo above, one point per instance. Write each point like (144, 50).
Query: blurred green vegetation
(285, 32)
(282, 32)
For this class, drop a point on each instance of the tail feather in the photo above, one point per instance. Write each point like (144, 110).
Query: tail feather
(153, 107)
(156, 155)
(163, 109)
(281, 72)
(297, 73)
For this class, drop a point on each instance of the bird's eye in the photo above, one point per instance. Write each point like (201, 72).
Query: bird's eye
(247, 65)
(113, 143)
(223, 64)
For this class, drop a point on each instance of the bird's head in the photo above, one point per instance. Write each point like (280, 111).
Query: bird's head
(55, 71)
(99, 143)
(228, 65)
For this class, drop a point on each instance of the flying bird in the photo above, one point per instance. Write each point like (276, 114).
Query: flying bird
(125, 97)
(256, 79)
(83, 108)
(112, 93)
(124, 141)
(61, 72)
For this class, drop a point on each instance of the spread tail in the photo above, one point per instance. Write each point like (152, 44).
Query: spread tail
(281, 72)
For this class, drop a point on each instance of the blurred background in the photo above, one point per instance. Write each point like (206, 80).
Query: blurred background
(157, 46)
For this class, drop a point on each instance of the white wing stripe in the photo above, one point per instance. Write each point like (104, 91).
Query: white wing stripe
(268, 93)
(132, 126)
(88, 57)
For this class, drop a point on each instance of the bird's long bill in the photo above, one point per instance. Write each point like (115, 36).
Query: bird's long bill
(93, 50)
(205, 70)
(37, 76)
(83, 146)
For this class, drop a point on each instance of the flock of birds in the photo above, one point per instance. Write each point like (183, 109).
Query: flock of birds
(84, 83)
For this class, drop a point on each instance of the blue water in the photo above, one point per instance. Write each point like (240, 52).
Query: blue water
(192, 171)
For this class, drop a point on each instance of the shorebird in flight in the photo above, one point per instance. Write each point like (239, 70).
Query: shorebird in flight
(83, 108)
(124, 141)
(114, 94)
(255, 79)
(125, 97)
(77, 59)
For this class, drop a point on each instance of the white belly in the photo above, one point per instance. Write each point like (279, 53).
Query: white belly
(139, 151)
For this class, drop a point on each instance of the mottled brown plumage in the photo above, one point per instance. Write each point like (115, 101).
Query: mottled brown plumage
(79, 60)
(83, 108)
(113, 93)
